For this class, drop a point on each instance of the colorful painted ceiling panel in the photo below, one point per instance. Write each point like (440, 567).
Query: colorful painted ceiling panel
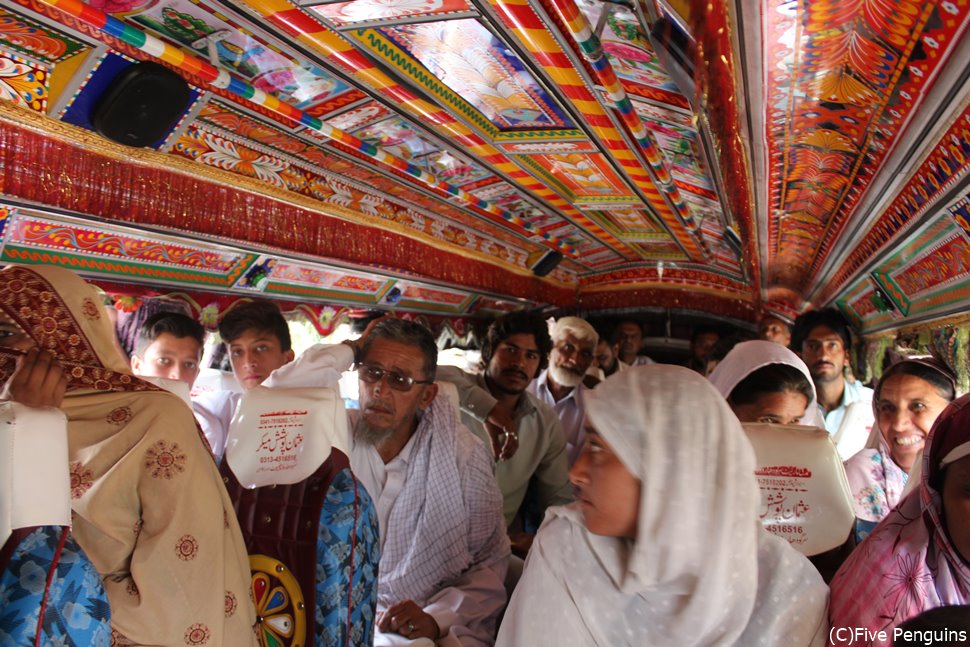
(196, 25)
(357, 12)
(843, 83)
(23, 82)
(36, 40)
(805, 145)
(630, 52)
(35, 236)
(582, 177)
(478, 67)
(928, 274)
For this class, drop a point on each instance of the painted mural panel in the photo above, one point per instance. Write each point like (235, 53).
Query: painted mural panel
(479, 68)
(194, 24)
(844, 81)
(23, 82)
(36, 40)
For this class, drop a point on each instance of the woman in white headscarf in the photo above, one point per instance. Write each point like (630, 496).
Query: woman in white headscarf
(765, 382)
(663, 546)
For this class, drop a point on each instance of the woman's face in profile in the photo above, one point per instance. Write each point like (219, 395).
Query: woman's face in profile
(608, 494)
(784, 408)
(956, 505)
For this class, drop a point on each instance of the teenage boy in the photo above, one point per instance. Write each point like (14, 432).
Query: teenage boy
(257, 340)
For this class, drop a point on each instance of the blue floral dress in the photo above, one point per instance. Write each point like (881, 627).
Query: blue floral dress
(336, 538)
(76, 613)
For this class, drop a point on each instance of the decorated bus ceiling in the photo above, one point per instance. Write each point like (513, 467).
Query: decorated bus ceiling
(424, 154)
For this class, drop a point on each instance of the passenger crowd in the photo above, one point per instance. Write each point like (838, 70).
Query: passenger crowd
(571, 492)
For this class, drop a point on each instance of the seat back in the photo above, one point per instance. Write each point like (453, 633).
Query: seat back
(35, 481)
(178, 387)
(805, 495)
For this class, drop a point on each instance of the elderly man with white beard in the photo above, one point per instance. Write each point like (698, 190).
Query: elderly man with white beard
(561, 385)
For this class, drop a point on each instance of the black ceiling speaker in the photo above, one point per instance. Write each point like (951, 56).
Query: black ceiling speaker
(541, 263)
(142, 105)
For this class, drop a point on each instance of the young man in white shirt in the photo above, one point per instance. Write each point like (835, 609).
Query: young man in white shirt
(824, 341)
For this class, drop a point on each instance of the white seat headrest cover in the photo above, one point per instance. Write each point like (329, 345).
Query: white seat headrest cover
(35, 480)
(805, 497)
(280, 436)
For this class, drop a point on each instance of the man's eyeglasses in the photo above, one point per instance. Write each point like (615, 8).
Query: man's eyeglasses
(373, 374)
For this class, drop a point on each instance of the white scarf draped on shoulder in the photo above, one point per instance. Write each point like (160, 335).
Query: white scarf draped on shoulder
(432, 535)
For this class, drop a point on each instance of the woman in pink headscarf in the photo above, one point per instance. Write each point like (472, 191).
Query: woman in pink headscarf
(918, 557)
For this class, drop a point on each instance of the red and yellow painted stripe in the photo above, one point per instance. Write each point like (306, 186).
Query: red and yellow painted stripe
(528, 26)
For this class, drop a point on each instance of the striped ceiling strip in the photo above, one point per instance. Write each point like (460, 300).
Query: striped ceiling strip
(519, 16)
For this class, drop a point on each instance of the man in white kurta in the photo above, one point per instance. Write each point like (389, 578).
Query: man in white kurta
(444, 547)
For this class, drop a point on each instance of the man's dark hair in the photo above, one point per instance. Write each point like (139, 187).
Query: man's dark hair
(830, 318)
(517, 323)
(260, 316)
(615, 332)
(724, 345)
(173, 323)
(705, 330)
(771, 378)
(405, 332)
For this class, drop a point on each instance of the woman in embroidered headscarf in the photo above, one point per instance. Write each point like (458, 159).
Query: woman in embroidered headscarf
(910, 396)
(765, 382)
(148, 507)
(918, 557)
(664, 545)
